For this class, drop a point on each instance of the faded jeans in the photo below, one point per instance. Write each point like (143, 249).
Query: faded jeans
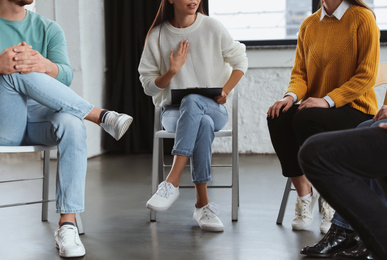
(36, 109)
(195, 122)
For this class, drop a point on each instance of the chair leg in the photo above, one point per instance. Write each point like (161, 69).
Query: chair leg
(78, 222)
(46, 178)
(155, 171)
(235, 186)
(281, 213)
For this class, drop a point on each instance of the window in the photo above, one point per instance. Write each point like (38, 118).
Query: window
(275, 22)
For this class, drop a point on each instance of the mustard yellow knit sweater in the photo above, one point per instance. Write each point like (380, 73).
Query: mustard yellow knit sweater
(338, 58)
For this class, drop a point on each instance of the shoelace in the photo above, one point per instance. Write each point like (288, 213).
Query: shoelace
(165, 189)
(301, 208)
(327, 211)
(65, 234)
(211, 210)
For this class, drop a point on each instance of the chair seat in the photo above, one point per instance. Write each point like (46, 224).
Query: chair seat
(165, 134)
(25, 149)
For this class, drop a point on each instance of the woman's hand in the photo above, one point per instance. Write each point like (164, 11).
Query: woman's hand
(177, 61)
(314, 102)
(285, 103)
(382, 114)
(222, 98)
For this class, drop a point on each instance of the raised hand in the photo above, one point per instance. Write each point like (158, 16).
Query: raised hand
(177, 61)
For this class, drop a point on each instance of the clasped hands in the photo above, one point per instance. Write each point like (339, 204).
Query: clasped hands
(22, 58)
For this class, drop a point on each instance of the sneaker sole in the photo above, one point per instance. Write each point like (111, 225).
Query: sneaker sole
(158, 209)
(65, 256)
(207, 228)
(212, 229)
(124, 124)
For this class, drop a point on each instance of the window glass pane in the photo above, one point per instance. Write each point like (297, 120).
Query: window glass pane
(261, 20)
(380, 9)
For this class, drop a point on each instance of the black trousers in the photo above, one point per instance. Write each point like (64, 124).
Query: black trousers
(290, 130)
(336, 164)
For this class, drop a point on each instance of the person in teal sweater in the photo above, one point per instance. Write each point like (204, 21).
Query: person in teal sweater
(38, 108)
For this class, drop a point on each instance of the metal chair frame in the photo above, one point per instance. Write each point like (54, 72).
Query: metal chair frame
(158, 164)
(45, 179)
(380, 80)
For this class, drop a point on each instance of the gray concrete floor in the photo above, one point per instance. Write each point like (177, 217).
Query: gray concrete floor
(117, 223)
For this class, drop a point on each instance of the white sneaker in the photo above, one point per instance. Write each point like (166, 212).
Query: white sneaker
(164, 197)
(116, 124)
(327, 212)
(68, 242)
(207, 218)
(304, 211)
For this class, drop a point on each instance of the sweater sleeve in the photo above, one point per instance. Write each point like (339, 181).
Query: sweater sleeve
(148, 68)
(298, 79)
(234, 52)
(367, 66)
(57, 53)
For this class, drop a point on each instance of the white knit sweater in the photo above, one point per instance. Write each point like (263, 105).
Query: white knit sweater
(211, 53)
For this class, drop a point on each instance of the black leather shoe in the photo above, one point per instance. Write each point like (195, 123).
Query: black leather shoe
(335, 240)
(357, 252)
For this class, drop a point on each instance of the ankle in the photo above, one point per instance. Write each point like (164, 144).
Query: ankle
(201, 204)
(175, 183)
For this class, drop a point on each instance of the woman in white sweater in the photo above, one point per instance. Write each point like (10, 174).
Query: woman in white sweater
(185, 49)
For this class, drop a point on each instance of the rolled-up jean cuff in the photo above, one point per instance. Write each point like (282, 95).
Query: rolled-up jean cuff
(202, 180)
(341, 224)
(181, 152)
(72, 211)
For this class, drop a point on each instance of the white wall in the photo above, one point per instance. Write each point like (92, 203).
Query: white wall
(83, 24)
(265, 82)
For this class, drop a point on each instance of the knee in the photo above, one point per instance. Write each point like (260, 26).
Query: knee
(309, 153)
(303, 118)
(190, 102)
(277, 122)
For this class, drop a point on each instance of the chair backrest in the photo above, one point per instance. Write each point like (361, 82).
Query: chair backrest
(382, 77)
(157, 124)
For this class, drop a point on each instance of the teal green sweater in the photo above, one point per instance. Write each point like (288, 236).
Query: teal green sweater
(44, 35)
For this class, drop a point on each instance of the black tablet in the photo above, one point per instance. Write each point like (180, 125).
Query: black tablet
(178, 94)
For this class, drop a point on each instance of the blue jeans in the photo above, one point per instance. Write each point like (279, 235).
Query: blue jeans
(195, 122)
(337, 219)
(36, 109)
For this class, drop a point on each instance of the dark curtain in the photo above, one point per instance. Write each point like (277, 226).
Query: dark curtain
(126, 25)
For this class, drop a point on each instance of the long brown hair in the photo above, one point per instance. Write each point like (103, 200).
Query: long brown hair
(166, 13)
(356, 2)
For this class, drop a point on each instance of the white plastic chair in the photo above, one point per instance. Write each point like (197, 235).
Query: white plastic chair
(45, 179)
(380, 80)
(158, 156)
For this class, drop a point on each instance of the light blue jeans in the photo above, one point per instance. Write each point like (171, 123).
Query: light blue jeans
(337, 219)
(195, 122)
(36, 109)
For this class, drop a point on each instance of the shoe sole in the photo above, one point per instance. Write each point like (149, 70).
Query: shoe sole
(65, 256)
(124, 123)
(319, 255)
(211, 229)
(158, 209)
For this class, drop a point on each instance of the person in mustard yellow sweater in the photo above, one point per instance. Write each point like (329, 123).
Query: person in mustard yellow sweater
(335, 68)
